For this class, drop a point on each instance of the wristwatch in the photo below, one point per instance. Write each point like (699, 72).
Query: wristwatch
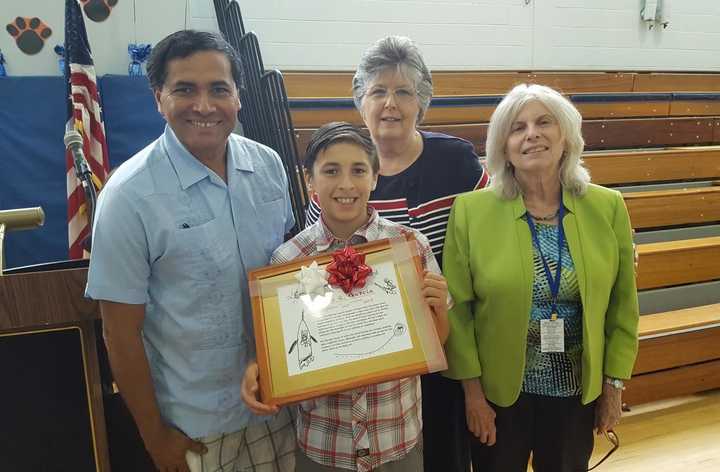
(617, 383)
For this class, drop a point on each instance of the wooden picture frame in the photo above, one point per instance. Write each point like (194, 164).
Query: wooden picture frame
(282, 383)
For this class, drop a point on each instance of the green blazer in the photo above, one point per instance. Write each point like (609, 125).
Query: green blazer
(488, 264)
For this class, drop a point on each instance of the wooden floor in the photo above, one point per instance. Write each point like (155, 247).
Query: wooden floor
(681, 435)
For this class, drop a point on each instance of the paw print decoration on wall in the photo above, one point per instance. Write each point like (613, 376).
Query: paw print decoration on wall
(98, 10)
(29, 33)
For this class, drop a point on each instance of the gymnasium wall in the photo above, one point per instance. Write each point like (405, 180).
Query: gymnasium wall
(491, 34)
(453, 34)
(130, 21)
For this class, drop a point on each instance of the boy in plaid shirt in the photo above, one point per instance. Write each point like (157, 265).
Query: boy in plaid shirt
(377, 427)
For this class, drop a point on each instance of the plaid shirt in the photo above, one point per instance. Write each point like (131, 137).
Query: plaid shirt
(362, 428)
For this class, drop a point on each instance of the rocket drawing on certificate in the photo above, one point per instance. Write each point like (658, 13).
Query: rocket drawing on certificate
(303, 344)
(313, 283)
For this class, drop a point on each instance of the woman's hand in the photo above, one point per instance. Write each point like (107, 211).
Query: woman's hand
(608, 408)
(250, 391)
(479, 414)
(435, 291)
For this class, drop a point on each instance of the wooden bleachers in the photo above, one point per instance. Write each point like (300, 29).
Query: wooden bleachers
(679, 354)
(469, 97)
(478, 108)
(656, 165)
(339, 84)
(695, 104)
(675, 82)
(676, 207)
(615, 134)
(670, 263)
(463, 83)
(679, 348)
(598, 134)
(662, 109)
(651, 135)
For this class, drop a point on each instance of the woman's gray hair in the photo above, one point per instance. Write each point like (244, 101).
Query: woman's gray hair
(573, 175)
(402, 54)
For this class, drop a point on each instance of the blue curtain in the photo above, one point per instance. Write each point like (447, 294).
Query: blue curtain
(32, 155)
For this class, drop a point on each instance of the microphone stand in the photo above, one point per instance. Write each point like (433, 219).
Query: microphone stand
(73, 143)
(85, 176)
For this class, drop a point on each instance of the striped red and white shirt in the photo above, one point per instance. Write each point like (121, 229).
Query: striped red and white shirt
(362, 428)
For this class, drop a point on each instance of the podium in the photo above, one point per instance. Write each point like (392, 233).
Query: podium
(52, 399)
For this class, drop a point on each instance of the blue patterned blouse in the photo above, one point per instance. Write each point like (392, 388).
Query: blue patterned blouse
(556, 374)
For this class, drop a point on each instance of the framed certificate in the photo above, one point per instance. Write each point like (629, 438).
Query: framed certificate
(315, 336)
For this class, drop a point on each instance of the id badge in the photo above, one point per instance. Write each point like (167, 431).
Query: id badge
(552, 335)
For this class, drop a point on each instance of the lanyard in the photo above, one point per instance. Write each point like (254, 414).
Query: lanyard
(554, 283)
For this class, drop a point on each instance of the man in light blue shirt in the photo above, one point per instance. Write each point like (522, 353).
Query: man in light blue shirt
(177, 228)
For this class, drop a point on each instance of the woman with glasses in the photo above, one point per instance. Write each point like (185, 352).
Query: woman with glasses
(420, 175)
(544, 326)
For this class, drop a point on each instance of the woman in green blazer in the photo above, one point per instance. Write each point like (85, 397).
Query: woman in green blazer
(540, 266)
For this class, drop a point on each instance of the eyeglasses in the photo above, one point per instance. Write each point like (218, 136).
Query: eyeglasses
(401, 95)
(615, 441)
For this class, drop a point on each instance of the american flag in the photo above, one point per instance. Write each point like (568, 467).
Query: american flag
(85, 116)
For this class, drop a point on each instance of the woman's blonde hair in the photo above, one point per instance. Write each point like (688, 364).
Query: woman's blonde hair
(573, 175)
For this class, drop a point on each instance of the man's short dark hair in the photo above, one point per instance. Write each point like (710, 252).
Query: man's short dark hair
(184, 43)
(339, 132)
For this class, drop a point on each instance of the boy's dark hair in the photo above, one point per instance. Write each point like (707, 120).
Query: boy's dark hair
(184, 43)
(339, 132)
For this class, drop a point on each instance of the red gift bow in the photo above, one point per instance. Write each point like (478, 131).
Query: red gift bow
(348, 269)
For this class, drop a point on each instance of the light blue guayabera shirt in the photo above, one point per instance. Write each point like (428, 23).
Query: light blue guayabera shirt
(170, 234)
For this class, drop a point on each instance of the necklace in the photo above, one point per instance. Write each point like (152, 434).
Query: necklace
(545, 218)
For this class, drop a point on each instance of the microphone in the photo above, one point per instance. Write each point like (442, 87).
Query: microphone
(18, 219)
(21, 219)
(74, 142)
